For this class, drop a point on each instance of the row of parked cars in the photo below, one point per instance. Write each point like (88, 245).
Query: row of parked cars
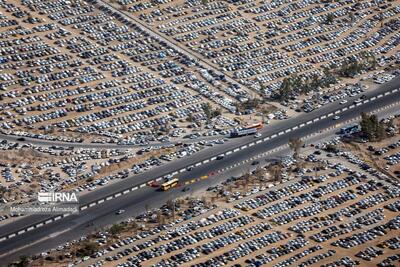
(280, 28)
(354, 224)
(111, 80)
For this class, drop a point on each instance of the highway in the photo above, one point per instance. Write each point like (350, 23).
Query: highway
(134, 201)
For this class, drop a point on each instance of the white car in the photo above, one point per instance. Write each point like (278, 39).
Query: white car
(119, 212)
(336, 118)
(257, 135)
(344, 101)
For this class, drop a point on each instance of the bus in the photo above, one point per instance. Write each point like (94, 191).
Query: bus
(168, 185)
(350, 129)
(257, 126)
(243, 132)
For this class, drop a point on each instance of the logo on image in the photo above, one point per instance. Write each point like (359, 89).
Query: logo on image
(57, 197)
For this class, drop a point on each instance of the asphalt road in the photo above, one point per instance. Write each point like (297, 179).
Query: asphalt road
(103, 214)
(231, 159)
